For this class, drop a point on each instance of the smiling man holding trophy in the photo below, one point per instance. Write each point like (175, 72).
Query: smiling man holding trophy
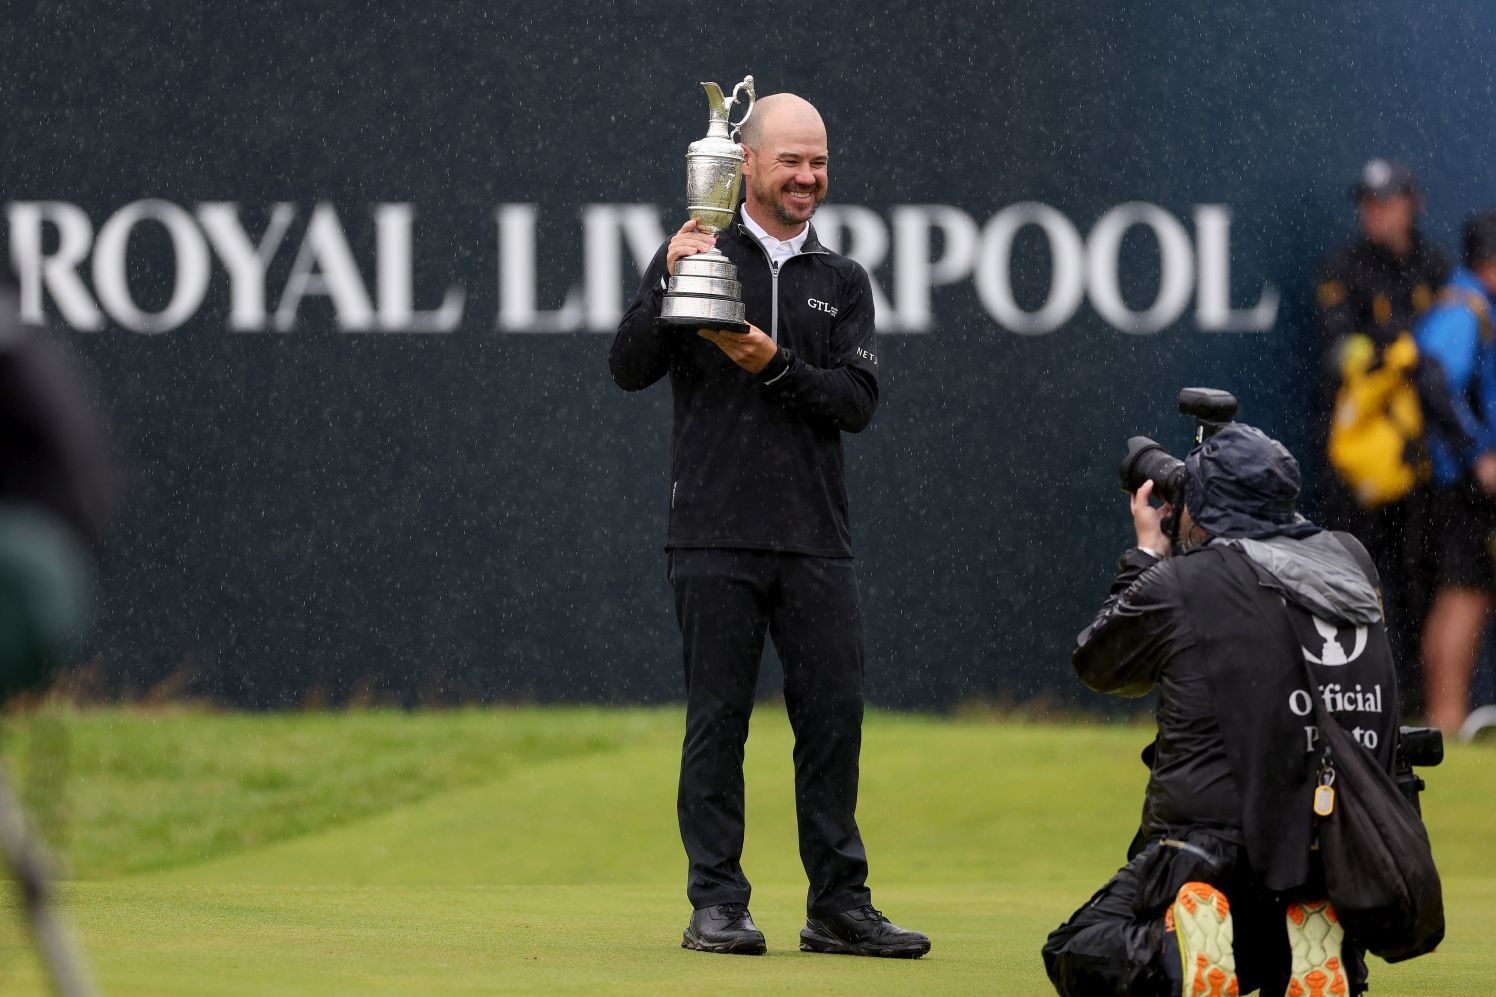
(759, 540)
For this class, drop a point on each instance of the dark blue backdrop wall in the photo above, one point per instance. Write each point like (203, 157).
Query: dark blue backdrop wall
(1070, 211)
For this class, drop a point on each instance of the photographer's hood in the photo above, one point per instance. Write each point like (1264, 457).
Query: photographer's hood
(1242, 483)
(1241, 486)
(1318, 573)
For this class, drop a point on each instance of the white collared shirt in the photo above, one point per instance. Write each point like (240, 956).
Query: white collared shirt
(778, 250)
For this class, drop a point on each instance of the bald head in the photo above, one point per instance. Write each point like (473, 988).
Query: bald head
(777, 114)
(784, 162)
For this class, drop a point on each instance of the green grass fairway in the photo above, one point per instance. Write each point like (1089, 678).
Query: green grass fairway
(535, 851)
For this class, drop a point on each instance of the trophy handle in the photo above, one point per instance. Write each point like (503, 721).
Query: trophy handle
(737, 126)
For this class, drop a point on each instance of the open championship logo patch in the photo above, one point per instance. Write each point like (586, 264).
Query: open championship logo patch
(1337, 645)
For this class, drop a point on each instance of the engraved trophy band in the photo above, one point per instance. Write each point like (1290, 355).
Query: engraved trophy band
(704, 292)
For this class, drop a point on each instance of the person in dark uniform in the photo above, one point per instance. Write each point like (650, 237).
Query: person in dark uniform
(1370, 292)
(759, 539)
(1229, 630)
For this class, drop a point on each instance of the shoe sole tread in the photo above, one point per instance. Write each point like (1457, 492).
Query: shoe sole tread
(1202, 921)
(1314, 938)
(746, 946)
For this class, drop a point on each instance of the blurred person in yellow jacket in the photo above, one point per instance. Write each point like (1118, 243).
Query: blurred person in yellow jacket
(1370, 292)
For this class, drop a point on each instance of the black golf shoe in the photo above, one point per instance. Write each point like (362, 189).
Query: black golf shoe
(862, 931)
(727, 928)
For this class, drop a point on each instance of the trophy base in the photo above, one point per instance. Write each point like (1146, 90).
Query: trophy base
(698, 322)
(704, 294)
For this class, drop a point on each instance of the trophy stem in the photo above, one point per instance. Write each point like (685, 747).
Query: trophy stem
(713, 255)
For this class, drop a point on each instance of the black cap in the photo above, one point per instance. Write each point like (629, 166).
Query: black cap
(1383, 178)
(1480, 237)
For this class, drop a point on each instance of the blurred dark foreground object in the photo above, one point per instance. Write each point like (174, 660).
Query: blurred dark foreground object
(58, 490)
(46, 597)
(57, 493)
(31, 870)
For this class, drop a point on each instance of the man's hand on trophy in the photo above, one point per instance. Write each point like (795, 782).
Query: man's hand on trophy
(687, 242)
(751, 350)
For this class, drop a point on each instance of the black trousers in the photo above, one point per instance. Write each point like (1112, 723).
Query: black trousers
(1114, 944)
(725, 601)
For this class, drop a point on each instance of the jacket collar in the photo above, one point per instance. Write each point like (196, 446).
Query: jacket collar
(812, 241)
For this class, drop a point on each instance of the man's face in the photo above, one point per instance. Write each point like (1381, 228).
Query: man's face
(1388, 221)
(787, 173)
(1191, 534)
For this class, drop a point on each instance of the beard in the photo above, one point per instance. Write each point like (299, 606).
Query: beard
(791, 214)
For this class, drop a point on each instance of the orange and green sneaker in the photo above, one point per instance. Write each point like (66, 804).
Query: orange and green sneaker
(1202, 924)
(1314, 937)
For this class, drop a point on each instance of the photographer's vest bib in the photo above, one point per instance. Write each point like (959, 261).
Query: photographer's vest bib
(1254, 641)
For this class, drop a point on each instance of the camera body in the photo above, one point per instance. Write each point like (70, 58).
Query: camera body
(1147, 460)
(1420, 746)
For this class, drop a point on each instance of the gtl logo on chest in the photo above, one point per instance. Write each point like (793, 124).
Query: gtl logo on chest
(820, 306)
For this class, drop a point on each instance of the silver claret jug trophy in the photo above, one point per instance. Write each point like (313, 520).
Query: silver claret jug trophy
(704, 292)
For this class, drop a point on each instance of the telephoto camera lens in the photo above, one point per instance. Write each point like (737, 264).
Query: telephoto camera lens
(1148, 461)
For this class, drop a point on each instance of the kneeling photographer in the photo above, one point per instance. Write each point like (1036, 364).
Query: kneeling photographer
(1251, 622)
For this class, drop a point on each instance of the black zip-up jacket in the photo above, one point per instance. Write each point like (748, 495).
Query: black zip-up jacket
(756, 460)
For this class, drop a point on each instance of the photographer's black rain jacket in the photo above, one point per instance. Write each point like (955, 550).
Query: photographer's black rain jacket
(1236, 744)
(756, 460)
